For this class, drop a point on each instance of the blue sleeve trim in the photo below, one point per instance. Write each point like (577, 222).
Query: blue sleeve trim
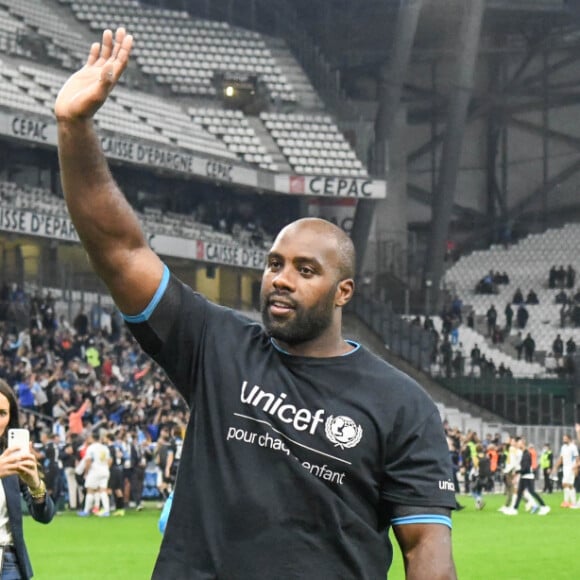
(422, 519)
(144, 316)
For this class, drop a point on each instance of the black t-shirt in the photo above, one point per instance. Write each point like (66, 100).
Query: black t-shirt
(162, 452)
(292, 467)
(116, 456)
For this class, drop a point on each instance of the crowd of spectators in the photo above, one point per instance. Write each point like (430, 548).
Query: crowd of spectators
(80, 377)
(449, 357)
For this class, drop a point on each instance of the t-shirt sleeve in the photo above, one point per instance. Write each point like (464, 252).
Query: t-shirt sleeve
(418, 470)
(171, 329)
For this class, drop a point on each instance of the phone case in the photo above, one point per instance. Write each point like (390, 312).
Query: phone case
(18, 438)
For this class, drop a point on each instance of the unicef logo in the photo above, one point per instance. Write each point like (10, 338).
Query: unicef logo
(343, 431)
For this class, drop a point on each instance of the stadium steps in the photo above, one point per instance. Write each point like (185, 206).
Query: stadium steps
(132, 77)
(67, 17)
(508, 346)
(291, 69)
(480, 325)
(468, 412)
(266, 140)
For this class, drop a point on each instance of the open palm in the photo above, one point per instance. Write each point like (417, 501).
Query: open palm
(86, 90)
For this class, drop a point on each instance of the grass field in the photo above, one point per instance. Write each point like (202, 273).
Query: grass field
(487, 545)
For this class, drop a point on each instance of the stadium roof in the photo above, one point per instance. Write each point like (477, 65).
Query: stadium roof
(367, 26)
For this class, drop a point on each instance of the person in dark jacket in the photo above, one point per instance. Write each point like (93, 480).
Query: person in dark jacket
(522, 316)
(529, 348)
(21, 479)
(509, 316)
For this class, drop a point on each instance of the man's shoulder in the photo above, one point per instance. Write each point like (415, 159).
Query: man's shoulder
(215, 309)
(394, 380)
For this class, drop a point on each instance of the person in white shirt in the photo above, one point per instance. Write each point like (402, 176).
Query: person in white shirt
(569, 461)
(512, 478)
(97, 463)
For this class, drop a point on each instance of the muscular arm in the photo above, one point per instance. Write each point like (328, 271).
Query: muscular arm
(426, 551)
(106, 224)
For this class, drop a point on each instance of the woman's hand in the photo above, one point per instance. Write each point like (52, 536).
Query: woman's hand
(20, 462)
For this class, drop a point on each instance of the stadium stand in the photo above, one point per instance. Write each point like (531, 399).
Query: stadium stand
(35, 198)
(128, 112)
(170, 122)
(468, 338)
(312, 144)
(302, 142)
(234, 129)
(15, 91)
(66, 46)
(527, 264)
(200, 47)
(153, 219)
(8, 23)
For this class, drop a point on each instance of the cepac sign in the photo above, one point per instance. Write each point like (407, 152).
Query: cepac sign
(331, 186)
(28, 127)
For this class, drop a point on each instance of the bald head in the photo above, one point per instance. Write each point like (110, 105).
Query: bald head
(344, 247)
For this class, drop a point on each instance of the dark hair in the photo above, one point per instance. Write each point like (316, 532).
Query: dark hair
(14, 422)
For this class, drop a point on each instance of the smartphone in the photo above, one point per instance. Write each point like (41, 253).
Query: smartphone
(19, 438)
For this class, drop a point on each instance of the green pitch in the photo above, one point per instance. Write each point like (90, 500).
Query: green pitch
(487, 545)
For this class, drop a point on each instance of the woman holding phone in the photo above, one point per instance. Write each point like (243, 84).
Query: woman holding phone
(20, 478)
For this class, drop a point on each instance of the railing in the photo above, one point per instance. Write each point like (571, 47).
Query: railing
(405, 340)
(527, 401)
(40, 418)
(549, 5)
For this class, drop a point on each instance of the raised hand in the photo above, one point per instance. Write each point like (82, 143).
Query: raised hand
(86, 90)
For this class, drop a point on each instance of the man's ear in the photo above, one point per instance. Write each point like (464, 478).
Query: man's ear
(344, 292)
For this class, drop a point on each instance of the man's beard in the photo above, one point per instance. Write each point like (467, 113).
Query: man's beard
(303, 325)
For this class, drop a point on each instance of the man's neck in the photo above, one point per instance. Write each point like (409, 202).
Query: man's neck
(313, 350)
